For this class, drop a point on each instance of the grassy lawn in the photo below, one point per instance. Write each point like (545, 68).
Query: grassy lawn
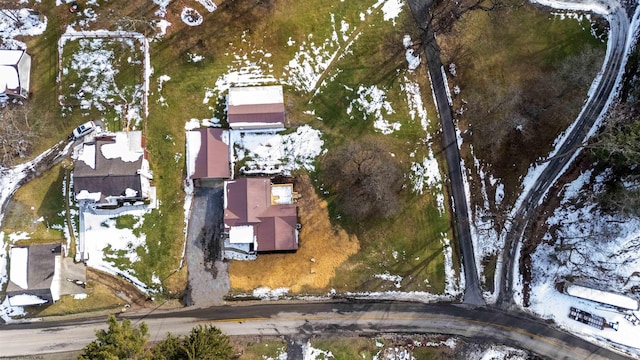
(99, 297)
(523, 77)
(537, 69)
(264, 348)
(369, 59)
(102, 79)
(347, 348)
(38, 208)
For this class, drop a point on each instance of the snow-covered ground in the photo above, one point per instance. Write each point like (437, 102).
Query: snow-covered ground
(112, 249)
(20, 22)
(95, 65)
(388, 350)
(587, 245)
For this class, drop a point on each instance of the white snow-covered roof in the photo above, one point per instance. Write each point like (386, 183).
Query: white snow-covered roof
(56, 283)
(85, 195)
(19, 264)
(282, 194)
(194, 141)
(241, 234)
(127, 147)
(8, 77)
(10, 57)
(25, 300)
(88, 154)
(604, 297)
(255, 95)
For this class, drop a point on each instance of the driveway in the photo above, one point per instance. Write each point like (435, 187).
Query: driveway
(208, 274)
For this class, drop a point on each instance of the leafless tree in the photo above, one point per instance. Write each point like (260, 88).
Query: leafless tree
(16, 137)
(145, 26)
(12, 15)
(444, 13)
(618, 143)
(365, 177)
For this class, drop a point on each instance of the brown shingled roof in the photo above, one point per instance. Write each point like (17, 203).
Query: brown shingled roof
(213, 158)
(264, 113)
(248, 202)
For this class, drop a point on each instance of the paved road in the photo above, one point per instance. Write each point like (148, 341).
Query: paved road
(595, 105)
(306, 319)
(208, 275)
(472, 292)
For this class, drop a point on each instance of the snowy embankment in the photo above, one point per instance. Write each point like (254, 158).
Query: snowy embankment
(584, 243)
(484, 236)
(587, 245)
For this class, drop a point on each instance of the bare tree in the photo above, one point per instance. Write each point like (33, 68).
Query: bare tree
(148, 27)
(618, 143)
(444, 13)
(16, 137)
(365, 177)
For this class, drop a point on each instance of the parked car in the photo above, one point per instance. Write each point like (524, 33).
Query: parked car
(83, 129)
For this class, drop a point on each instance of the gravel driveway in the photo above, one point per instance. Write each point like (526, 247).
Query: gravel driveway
(208, 274)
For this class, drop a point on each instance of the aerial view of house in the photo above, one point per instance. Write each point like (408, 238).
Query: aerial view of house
(15, 69)
(259, 215)
(112, 169)
(301, 178)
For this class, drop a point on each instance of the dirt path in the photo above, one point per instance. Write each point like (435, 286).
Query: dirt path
(121, 288)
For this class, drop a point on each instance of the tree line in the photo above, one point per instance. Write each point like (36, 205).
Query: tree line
(122, 340)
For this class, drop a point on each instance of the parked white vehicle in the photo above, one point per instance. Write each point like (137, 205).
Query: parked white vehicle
(83, 129)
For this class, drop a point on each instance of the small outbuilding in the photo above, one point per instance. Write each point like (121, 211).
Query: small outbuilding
(256, 108)
(211, 160)
(15, 70)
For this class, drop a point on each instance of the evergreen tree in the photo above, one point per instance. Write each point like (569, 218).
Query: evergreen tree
(203, 343)
(120, 341)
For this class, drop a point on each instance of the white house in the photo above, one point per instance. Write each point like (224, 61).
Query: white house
(15, 69)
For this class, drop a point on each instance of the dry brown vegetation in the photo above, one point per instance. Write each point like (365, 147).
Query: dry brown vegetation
(323, 247)
(365, 177)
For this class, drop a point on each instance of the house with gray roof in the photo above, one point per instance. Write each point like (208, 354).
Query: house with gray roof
(112, 169)
(34, 277)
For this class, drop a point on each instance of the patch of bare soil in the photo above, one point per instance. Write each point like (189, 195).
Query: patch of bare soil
(120, 287)
(538, 227)
(322, 248)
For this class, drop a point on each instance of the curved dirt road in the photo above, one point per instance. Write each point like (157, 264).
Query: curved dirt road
(593, 108)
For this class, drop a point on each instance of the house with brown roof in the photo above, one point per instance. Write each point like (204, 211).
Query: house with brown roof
(34, 277)
(259, 216)
(112, 169)
(256, 108)
(211, 161)
(15, 70)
